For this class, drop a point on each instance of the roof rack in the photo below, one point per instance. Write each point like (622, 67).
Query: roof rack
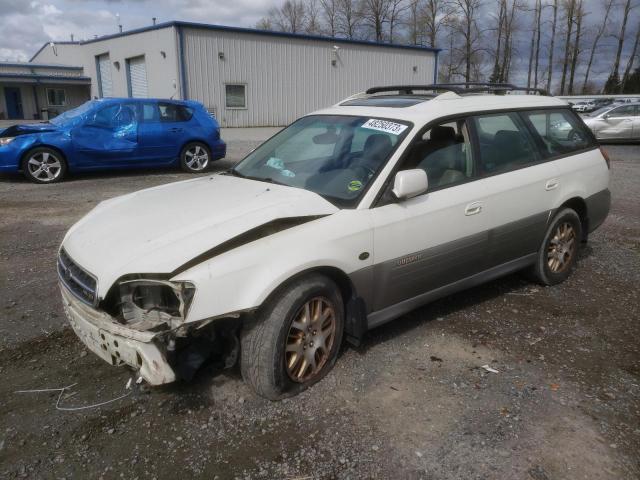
(458, 88)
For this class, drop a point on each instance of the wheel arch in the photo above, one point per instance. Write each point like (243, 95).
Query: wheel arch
(33, 147)
(579, 205)
(354, 305)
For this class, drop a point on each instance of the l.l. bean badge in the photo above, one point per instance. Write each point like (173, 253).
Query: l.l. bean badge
(354, 185)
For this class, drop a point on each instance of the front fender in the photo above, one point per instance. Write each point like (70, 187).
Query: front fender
(242, 279)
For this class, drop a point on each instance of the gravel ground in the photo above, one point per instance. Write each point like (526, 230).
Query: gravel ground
(413, 402)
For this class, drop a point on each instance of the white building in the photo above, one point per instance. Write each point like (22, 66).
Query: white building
(246, 77)
(33, 91)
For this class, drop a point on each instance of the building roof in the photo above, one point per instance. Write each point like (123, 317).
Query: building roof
(252, 31)
(29, 65)
(36, 77)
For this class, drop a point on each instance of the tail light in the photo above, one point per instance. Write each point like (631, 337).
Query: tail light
(606, 157)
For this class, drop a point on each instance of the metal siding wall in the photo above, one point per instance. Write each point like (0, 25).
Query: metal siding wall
(287, 78)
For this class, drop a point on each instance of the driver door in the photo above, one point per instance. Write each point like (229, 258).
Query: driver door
(110, 136)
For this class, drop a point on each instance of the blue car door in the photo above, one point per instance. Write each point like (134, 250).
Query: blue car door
(162, 131)
(107, 137)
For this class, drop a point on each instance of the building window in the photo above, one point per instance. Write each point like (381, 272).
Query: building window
(236, 96)
(56, 97)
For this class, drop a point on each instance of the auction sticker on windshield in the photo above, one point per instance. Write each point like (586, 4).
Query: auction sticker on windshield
(385, 126)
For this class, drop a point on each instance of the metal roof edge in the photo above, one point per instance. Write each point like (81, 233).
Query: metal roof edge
(39, 65)
(245, 30)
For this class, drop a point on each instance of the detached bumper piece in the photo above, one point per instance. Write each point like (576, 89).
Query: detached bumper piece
(115, 343)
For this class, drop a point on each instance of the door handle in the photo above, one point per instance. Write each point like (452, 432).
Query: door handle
(175, 130)
(552, 184)
(473, 208)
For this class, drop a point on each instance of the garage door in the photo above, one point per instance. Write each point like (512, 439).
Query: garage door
(137, 77)
(104, 75)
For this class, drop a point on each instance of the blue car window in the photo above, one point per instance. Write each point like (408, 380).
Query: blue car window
(150, 112)
(171, 112)
(114, 116)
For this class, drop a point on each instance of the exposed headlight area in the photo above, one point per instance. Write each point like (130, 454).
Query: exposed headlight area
(6, 140)
(156, 305)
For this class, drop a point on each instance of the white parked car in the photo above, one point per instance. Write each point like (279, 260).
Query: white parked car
(349, 218)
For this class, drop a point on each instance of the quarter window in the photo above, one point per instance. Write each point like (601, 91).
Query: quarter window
(56, 97)
(235, 96)
(560, 131)
(444, 153)
(504, 143)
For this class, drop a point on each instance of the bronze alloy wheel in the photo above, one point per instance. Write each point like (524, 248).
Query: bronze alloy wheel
(562, 248)
(310, 339)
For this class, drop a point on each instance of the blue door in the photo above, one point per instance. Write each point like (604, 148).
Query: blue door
(109, 137)
(160, 139)
(14, 103)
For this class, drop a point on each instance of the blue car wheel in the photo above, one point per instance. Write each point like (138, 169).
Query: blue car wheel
(195, 157)
(44, 165)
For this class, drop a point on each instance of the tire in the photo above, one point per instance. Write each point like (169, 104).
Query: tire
(276, 345)
(44, 165)
(195, 157)
(559, 251)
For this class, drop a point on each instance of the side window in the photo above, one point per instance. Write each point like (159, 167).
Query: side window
(559, 130)
(444, 152)
(114, 117)
(504, 143)
(171, 112)
(150, 112)
(626, 111)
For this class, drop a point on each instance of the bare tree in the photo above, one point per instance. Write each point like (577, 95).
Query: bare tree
(436, 16)
(569, 7)
(415, 21)
(288, 18)
(508, 41)
(313, 23)
(501, 20)
(551, 46)
(625, 19)
(632, 58)
(375, 14)
(579, 16)
(596, 39)
(537, 35)
(348, 18)
(467, 12)
(329, 12)
(397, 10)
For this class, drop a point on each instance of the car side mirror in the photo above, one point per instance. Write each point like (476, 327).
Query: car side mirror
(410, 183)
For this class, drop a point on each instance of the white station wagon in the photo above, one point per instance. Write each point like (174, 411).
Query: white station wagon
(350, 217)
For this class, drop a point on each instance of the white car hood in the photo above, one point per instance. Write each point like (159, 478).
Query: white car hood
(160, 229)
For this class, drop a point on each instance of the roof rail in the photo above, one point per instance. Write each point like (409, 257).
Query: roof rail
(459, 88)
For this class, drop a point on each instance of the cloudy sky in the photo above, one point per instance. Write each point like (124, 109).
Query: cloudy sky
(26, 24)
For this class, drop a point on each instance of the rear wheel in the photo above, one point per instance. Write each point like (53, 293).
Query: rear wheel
(559, 251)
(44, 165)
(294, 341)
(195, 157)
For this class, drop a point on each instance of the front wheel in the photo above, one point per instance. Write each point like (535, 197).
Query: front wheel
(195, 157)
(294, 341)
(44, 165)
(558, 253)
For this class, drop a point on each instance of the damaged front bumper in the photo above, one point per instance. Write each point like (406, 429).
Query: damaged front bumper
(117, 344)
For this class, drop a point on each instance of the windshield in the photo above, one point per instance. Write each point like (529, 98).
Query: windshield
(333, 155)
(73, 114)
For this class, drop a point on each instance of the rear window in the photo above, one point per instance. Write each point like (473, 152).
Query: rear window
(171, 112)
(560, 131)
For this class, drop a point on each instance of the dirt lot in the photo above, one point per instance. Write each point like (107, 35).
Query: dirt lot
(412, 402)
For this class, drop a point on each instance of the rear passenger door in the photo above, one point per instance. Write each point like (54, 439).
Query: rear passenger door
(520, 187)
(162, 131)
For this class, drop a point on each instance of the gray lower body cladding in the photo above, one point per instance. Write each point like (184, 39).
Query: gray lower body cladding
(395, 287)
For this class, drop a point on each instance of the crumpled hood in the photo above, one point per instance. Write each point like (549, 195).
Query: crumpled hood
(160, 229)
(16, 130)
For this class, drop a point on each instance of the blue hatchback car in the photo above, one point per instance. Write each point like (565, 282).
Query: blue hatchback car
(114, 133)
